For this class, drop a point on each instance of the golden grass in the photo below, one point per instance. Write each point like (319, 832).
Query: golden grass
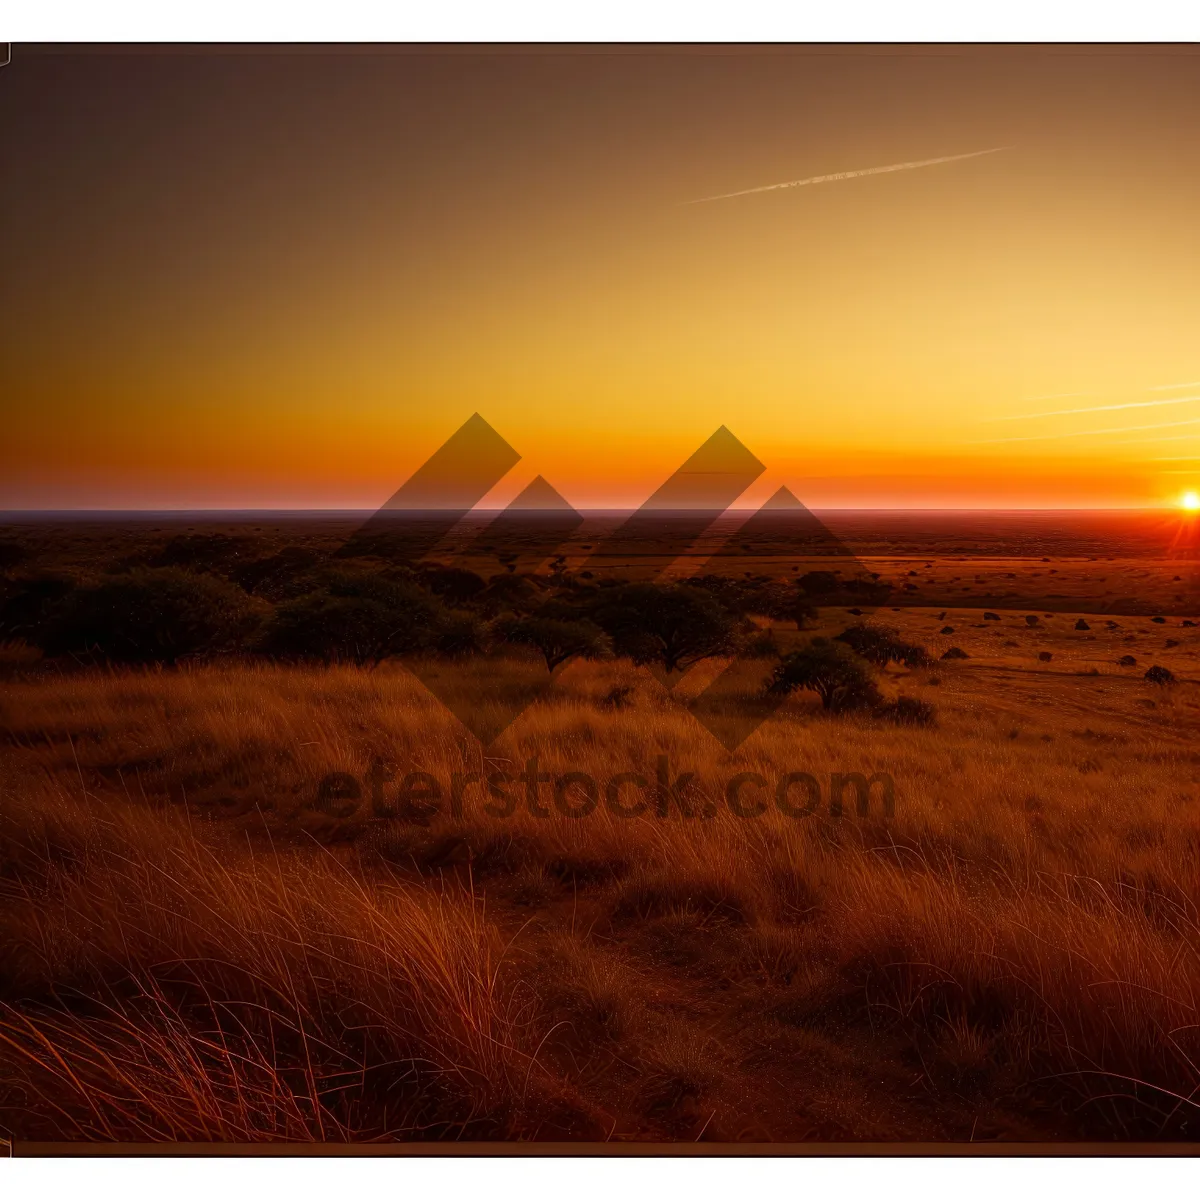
(193, 951)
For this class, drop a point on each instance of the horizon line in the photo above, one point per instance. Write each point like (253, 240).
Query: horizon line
(597, 510)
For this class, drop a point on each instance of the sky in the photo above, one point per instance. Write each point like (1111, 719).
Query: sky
(258, 278)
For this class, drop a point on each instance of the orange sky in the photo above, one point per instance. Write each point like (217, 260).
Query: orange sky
(282, 279)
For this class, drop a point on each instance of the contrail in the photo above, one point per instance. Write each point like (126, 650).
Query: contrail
(904, 166)
(1071, 412)
(1170, 387)
(1048, 437)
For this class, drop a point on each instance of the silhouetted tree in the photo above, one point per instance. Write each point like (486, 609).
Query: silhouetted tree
(555, 640)
(361, 619)
(151, 615)
(831, 670)
(675, 625)
(881, 644)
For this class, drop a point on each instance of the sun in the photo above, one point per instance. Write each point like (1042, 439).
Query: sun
(1190, 501)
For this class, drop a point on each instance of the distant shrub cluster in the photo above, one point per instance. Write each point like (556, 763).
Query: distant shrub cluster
(209, 594)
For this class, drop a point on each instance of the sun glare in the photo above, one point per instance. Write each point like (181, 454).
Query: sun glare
(1190, 501)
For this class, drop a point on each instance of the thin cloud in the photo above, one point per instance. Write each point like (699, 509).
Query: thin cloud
(1170, 387)
(1050, 437)
(1170, 437)
(1071, 412)
(837, 175)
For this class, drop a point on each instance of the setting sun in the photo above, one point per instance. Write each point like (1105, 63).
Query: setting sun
(1190, 501)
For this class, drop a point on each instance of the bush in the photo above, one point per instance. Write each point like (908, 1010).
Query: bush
(819, 583)
(280, 576)
(955, 652)
(1160, 675)
(204, 552)
(11, 554)
(150, 615)
(832, 671)
(458, 634)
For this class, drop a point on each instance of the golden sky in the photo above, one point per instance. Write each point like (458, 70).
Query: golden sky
(282, 279)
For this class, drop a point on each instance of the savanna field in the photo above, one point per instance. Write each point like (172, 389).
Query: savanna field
(225, 919)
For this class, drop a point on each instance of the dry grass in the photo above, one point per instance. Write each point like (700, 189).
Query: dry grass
(193, 951)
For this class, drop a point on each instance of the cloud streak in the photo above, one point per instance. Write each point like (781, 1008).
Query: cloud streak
(838, 175)
(1071, 412)
(1050, 437)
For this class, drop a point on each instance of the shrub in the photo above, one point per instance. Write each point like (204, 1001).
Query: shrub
(458, 634)
(27, 603)
(11, 554)
(203, 552)
(280, 576)
(832, 671)
(151, 615)
(955, 652)
(819, 583)
(760, 644)
(1160, 675)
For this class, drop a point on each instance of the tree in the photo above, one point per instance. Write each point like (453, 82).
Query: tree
(361, 619)
(675, 625)
(832, 671)
(882, 644)
(151, 615)
(556, 640)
